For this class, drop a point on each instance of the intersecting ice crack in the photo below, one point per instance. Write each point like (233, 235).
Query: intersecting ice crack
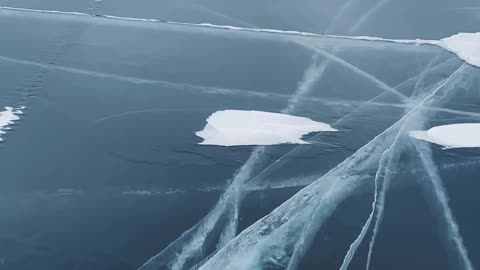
(382, 179)
(380, 189)
(388, 157)
(228, 205)
(452, 229)
(314, 203)
(209, 89)
(260, 177)
(380, 193)
(235, 192)
(229, 230)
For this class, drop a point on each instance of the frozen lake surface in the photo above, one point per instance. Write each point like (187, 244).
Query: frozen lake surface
(101, 168)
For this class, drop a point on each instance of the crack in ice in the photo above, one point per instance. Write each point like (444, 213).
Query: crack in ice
(291, 226)
(381, 203)
(381, 187)
(287, 219)
(189, 245)
(313, 73)
(368, 14)
(442, 199)
(166, 84)
(277, 162)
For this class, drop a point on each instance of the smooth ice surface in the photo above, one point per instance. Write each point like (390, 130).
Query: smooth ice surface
(451, 136)
(8, 118)
(237, 127)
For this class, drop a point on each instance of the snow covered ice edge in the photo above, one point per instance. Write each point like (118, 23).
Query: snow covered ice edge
(465, 45)
(460, 135)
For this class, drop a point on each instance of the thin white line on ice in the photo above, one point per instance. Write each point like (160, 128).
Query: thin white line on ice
(215, 26)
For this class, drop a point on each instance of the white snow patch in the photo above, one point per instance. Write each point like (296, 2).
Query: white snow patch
(465, 45)
(238, 127)
(8, 118)
(451, 136)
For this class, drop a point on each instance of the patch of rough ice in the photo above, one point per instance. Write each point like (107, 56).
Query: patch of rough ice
(8, 118)
(237, 127)
(451, 136)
